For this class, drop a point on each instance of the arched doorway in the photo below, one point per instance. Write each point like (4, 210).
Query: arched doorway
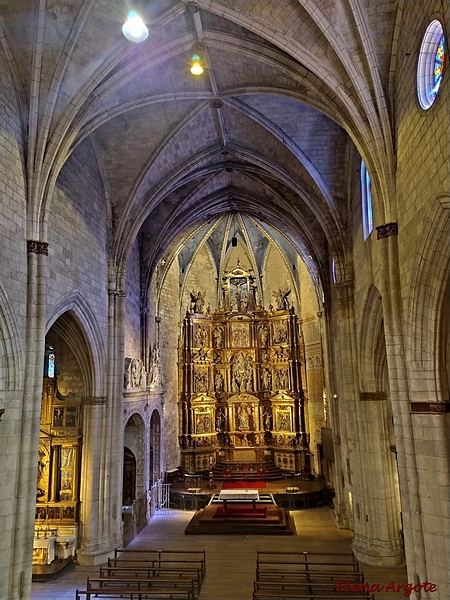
(67, 381)
(155, 447)
(133, 476)
(129, 477)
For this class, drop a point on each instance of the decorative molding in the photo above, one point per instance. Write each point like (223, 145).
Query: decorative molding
(348, 283)
(117, 293)
(384, 231)
(366, 396)
(37, 247)
(94, 400)
(430, 407)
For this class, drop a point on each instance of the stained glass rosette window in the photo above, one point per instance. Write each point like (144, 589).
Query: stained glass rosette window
(430, 67)
(438, 66)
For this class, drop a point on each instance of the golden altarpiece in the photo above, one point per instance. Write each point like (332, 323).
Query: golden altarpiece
(57, 493)
(240, 374)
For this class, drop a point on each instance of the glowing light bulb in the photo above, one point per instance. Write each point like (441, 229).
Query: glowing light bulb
(134, 29)
(196, 68)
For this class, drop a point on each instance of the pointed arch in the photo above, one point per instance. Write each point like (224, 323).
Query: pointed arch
(429, 286)
(371, 342)
(76, 323)
(11, 351)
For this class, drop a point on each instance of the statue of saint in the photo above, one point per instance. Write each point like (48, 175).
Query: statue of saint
(267, 419)
(200, 335)
(218, 382)
(155, 367)
(263, 332)
(282, 299)
(197, 302)
(41, 468)
(220, 420)
(218, 338)
(266, 378)
(243, 418)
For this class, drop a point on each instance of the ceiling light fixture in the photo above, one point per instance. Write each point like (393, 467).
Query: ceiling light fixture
(196, 68)
(134, 28)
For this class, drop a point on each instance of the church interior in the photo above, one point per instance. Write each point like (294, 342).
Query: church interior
(225, 259)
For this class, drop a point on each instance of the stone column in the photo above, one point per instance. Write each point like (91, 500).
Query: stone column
(24, 488)
(398, 381)
(92, 480)
(365, 455)
(340, 395)
(377, 537)
(103, 451)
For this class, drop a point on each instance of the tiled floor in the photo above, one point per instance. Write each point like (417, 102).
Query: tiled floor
(231, 560)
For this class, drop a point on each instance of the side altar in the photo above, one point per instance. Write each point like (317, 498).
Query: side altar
(57, 495)
(240, 381)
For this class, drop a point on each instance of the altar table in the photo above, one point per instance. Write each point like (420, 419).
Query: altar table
(246, 495)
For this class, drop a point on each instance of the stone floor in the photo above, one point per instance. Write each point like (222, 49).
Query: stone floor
(231, 560)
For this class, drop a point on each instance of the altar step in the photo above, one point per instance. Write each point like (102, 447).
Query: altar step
(247, 471)
(262, 499)
(208, 521)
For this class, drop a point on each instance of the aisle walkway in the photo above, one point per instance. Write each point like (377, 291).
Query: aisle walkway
(231, 560)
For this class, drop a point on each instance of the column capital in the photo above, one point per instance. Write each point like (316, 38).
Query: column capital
(430, 407)
(348, 283)
(94, 400)
(37, 247)
(117, 293)
(366, 396)
(384, 231)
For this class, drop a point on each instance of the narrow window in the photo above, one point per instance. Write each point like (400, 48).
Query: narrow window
(50, 363)
(366, 201)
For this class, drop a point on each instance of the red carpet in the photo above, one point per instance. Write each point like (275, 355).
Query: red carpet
(241, 511)
(243, 485)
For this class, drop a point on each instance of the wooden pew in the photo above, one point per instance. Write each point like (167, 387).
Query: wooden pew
(297, 596)
(311, 589)
(321, 576)
(346, 561)
(155, 562)
(133, 594)
(178, 555)
(148, 572)
(154, 583)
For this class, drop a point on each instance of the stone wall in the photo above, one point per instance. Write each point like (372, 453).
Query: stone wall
(169, 311)
(13, 277)
(277, 276)
(133, 305)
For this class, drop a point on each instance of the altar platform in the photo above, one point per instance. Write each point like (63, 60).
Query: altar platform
(288, 494)
(241, 512)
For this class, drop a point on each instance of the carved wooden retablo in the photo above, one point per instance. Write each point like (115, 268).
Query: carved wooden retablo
(241, 385)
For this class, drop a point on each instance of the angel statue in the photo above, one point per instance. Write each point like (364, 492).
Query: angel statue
(282, 299)
(197, 302)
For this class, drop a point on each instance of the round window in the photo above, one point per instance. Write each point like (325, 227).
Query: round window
(431, 64)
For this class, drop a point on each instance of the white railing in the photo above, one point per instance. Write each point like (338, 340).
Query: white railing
(159, 498)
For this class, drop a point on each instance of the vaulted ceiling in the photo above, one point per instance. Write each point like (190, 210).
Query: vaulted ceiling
(289, 86)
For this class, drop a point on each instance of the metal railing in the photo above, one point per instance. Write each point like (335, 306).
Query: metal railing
(159, 498)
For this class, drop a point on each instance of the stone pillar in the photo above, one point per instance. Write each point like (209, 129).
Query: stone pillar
(340, 333)
(24, 487)
(365, 457)
(92, 493)
(377, 539)
(398, 382)
(103, 451)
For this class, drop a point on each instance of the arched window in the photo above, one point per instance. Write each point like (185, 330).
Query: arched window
(50, 363)
(334, 270)
(366, 201)
(430, 66)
